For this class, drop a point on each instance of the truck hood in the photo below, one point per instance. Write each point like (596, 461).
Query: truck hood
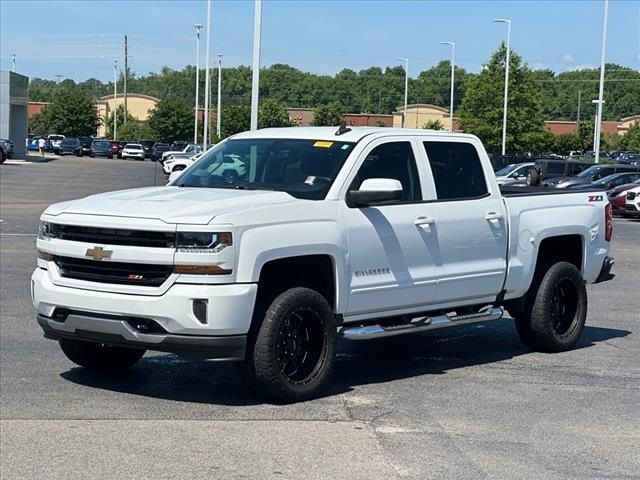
(182, 205)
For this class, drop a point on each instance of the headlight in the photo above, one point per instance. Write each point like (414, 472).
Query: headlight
(206, 241)
(46, 231)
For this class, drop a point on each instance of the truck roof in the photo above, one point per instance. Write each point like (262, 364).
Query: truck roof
(329, 133)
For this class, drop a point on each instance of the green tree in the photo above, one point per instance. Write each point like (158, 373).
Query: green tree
(482, 107)
(328, 115)
(433, 125)
(108, 121)
(172, 120)
(72, 113)
(632, 137)
(235, 119)
(273, 114)
(134, 131)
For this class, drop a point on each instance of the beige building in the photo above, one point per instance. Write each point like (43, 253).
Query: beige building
(419, 114)
(625, 123)
(138, 105)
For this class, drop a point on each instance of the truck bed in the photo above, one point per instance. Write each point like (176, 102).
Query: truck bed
(533, 191)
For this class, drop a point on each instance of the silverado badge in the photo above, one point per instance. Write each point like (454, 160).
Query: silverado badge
(98, 253)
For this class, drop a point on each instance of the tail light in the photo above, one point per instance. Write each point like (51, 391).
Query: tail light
(608, 222)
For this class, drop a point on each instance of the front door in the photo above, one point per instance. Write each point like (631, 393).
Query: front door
(392, 248)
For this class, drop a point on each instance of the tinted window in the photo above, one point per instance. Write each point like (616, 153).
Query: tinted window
(392, 160)
(555, 168)
(457, 171)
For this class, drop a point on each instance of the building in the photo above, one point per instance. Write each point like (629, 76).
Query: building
(609, 127)
(139, 107)
(301, 116)
(13, 110)
(368, 120)
(34, 108)
(419, 114)
(626, 123)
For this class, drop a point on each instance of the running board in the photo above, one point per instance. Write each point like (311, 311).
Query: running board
(421, 324)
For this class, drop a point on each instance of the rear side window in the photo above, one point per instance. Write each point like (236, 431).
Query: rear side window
(555, 168)
(457, 171)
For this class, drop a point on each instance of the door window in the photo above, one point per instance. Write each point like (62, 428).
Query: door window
(457, 171)
(555, 168)
(393, 160)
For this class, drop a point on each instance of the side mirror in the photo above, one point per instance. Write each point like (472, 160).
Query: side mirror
(375, 191)
(174, 175)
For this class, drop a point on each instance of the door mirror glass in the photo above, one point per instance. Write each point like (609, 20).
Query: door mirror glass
(375, 191)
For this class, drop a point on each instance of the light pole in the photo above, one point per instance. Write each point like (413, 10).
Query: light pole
(115, 99)
(255, 78)
(598, 129)
(13, 62)
(406, 89)
(506, 84)
(453, 73)
(597, 123)
(207, 83)
(197, 26)
(219, 107)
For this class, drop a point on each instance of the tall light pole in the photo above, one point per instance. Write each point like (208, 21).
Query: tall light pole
(207, 82)
(598, 129)
(596, 124)
(406, 89)
(13, 62)
(219, 107)
(506, 84)
(197, 26)
(453, 73)
(115, 99)
(255, 78)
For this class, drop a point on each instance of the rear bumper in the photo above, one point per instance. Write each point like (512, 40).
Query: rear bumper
(112, 330)
(605, 271)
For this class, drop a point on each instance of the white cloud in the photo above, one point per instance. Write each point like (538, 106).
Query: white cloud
(568, 58)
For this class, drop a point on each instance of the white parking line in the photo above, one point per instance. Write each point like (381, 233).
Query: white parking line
(18, 234)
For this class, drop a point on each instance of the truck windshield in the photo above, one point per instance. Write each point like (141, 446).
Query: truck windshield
(302, 168)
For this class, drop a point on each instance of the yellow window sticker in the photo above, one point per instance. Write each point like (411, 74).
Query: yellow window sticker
(320, 144)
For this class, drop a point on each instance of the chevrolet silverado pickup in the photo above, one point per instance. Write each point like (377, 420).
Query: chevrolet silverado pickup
(354, 233)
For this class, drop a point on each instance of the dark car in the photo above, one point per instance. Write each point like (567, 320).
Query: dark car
(177, 146)
(610, 181)
(100, 148)
(618, 197)
(68, 146)
(6, 149)
(85, 146)
(546, 168)
(591, 174)
(147, 146)
(158, 150)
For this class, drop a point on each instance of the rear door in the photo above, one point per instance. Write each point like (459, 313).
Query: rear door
(471, 225)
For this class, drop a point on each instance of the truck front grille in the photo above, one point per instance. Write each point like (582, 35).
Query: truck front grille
(114, 236)
(113, 272)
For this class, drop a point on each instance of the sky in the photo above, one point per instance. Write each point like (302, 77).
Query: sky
(80, 39)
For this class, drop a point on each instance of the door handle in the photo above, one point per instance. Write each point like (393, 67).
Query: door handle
(491, 216)
(423, 221)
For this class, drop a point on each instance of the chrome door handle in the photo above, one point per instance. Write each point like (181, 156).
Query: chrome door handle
(423, 221)
(494, 216)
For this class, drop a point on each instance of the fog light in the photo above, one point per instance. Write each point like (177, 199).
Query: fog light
(200, 309)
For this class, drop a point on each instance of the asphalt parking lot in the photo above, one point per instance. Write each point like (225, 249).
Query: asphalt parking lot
(469, 402)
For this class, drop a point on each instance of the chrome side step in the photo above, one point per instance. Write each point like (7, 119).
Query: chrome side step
(421, 324)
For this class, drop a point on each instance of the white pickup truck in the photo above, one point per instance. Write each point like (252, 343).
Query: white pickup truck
(354, 233)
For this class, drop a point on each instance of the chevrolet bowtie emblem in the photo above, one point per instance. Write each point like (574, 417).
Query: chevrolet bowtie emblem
(98, 253)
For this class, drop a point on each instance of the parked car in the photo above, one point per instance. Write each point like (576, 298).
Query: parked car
(6, 149)
(618, 196)
(609, 182)
(85, 146)
(147, 146)
(33, 144)
(357, 233)
(591, 174)
(188, 151)
(179, 162)
(158, 150)
(68, 146)
(133, 150)
(114, 147)
(513, 172)
(551, 168)
(100, 148)
(632, 203)
(55, 140)
(178, 146)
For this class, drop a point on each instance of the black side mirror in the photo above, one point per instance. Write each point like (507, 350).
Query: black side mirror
(375, 192)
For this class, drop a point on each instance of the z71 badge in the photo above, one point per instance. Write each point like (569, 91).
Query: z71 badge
(595, 198)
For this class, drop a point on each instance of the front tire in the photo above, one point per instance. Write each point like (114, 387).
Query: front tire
(295, 347)
(97, 356)
(556, 311)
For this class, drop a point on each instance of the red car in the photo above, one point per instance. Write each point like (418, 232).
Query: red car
(618, 195)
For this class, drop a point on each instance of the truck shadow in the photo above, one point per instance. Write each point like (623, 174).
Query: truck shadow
(170, 377)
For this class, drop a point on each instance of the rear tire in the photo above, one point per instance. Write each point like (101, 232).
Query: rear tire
(294, 350)
(97, 356)
(533, 178)
(556, 311)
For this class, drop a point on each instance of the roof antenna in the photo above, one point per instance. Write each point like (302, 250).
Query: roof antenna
(342, 129)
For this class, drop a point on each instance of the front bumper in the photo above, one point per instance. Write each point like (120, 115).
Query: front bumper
(632, 210)
(114, 318)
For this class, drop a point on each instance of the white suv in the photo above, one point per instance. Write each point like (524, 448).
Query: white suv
(632, 205)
